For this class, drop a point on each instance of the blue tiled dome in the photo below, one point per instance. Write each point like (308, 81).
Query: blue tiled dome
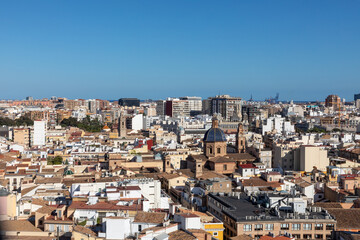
(214, 135)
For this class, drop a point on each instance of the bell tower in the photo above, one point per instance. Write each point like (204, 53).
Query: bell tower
(122, 126)
(240, 139)
(198, 168)
(167, 164)
(215, 141)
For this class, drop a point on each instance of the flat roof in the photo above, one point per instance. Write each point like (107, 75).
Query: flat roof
(241, 209)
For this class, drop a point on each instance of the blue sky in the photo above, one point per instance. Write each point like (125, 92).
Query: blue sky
(304, 50)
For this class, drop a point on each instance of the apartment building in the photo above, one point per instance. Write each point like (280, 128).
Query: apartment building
(22, 136)
(229, 107)
(39, 133)
(176, 107)
(195, 104)
(240, 216)
(302, 158)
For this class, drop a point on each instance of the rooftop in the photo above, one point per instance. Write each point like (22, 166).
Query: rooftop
(241, 209)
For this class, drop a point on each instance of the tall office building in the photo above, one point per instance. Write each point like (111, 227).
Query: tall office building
(39, 133)
(195, 104)
(332, 101)
(160, 107)
(177, 108)
(227, 106)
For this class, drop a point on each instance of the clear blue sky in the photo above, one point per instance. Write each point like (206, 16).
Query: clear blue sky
(304, 50)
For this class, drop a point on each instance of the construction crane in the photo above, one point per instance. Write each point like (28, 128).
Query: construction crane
(273, 100)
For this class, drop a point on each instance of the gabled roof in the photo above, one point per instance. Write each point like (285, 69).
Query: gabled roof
(84, 230)
(150, 217)
(18, 226)
(346, 218)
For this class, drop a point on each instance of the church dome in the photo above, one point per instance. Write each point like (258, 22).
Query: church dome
(214, 135)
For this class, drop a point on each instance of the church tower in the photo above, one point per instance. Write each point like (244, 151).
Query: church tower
(167, 164)
(198, 168)
(215, 141)
(122, 126)
(240, 139)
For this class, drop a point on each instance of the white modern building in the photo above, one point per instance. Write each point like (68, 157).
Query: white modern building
(279, 125)
(39, 133)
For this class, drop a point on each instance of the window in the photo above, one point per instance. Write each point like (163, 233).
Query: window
(284, 226)
(296, 226)
(329, 226)
(139, 228)
(269, 226)
(215, 233)
(218, 150)
(225, 167)
(307, 226)
(319, 226)
(210, 150)
(318, 236)
(247, 228)
(177, 181)
(258, 236)
(51, 227)
(328, 237)
(66, 228)
(307, 236)
(296, 236)
(258, 227)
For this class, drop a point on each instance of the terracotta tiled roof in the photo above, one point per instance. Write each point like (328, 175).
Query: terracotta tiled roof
(242, 237)
(258, 182)
(27, 190)
(84, 230)
(346, 218)
(328, 204)
(150, 217)
(181, 235)
(18, 225)
(46, 210)
(38, 201)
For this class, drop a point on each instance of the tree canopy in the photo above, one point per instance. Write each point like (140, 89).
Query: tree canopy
(54, 160)
(86, 124)
(22, 121)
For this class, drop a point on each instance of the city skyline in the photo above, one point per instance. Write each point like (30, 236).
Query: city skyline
(303, 50)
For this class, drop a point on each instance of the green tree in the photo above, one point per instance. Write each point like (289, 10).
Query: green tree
(86, 124)
(22, 121)
(55, 160)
